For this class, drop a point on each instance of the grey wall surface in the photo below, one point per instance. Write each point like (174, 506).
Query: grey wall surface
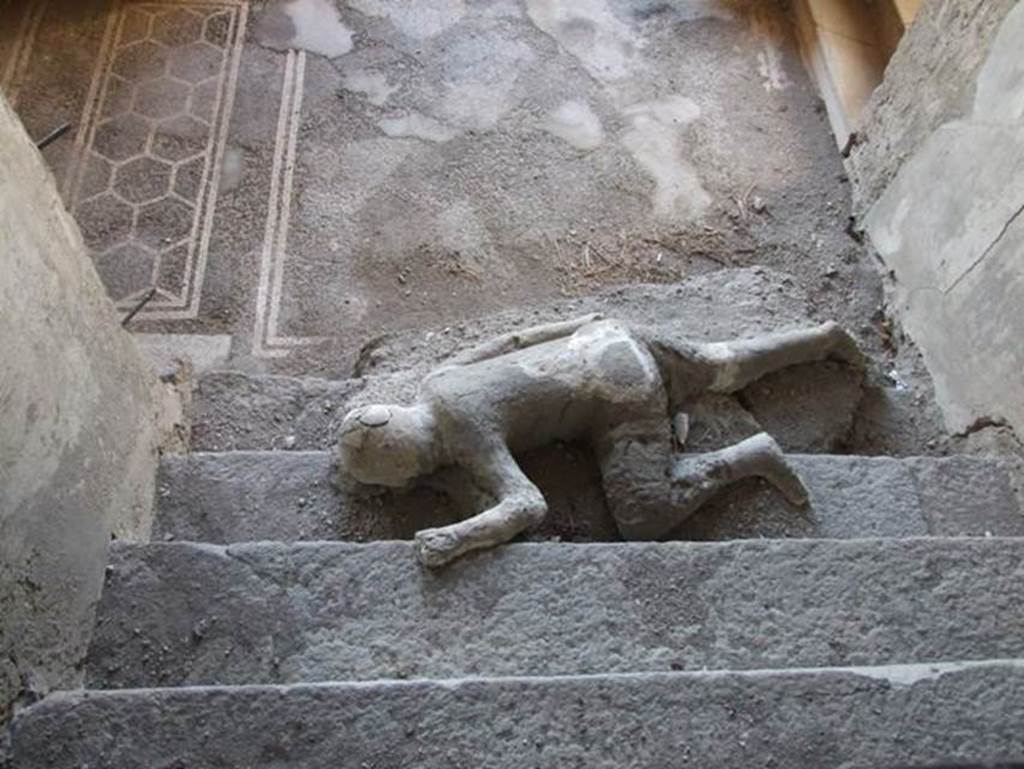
(940, 182)
(78, 430)
(930, 80)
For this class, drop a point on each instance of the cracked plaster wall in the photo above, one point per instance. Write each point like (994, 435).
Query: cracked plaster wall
(78, 430)
(940, 184)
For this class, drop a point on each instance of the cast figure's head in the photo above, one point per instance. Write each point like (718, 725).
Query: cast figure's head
(387, 445)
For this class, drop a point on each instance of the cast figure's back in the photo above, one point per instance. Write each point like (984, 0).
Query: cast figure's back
(562, 389)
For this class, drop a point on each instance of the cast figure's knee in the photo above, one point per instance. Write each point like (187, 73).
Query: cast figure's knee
(531, 509)
(644, 513)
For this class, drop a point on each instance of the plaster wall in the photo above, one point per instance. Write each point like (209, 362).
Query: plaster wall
(78, 430)
(940, 187)
(930, 80)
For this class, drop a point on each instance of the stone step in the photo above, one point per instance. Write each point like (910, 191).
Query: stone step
(235, 411)
(184, 614)
(915, 715)
(245, 496)
(808, 408)
(225, 497)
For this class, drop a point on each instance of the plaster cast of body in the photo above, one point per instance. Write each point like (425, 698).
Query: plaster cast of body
(603, 381)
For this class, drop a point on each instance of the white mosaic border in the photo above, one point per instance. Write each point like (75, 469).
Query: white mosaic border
(13, 74)
(268, 341)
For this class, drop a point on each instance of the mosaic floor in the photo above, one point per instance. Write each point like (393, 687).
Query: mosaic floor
(303, 176)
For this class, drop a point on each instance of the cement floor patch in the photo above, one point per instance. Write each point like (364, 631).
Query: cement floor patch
(306, 175)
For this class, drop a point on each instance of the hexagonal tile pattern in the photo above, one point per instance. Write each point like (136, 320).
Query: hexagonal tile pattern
(122, 138)
(96, 176)
(142, 180)
(141, 61)
(216, 29)
(126, 269)
(187, 178)
(178, 27)
(180, 138)
(204, 99)
(164, 223)
(151, 142)
(197, 62)
(105, 221)
(119, 96)
(173, 266)
(161, 98)
(137, 24)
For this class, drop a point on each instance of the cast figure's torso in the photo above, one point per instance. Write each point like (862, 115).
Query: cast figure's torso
(558, 390)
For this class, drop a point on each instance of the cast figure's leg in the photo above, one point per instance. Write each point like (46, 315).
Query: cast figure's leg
(698, 477)
(650, 491)
(636, 461)
(739, 362)
(691, 368)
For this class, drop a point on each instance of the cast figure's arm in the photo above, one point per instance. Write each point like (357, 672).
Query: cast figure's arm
(518, 340)
(520, 505)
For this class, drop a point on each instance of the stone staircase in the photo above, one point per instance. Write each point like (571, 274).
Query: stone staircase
(890, 632)
(275, 620)
(850, 717)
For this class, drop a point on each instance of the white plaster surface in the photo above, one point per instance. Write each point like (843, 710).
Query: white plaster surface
(418, 126)
(590, 31)
(373, 84)
(1000, 89)
(477, 104)
(575, 122)
(415, 19)
(654, 141)
(318, 28)
(770, 59)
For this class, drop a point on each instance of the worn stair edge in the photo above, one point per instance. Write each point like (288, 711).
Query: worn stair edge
(177, 614)
(907, 715)
(247, 496)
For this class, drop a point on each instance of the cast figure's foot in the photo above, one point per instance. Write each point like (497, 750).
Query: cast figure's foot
(436, 547)
(778, 472)
(843, 346)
